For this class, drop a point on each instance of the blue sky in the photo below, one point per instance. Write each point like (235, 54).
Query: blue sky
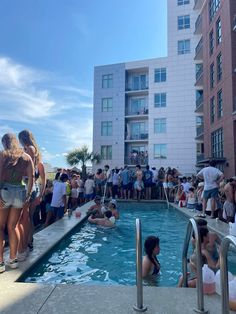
(48, 50)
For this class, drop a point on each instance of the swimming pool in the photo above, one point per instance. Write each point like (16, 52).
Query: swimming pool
(94, 255)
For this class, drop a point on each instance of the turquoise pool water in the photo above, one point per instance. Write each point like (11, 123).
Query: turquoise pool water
(93, 255)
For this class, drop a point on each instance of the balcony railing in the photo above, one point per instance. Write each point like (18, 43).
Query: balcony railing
(199, 102)
(134, 137)
(234, 23)
(137, 87)
(199, 50)
(198, 25)
(199, 72)
(200, 157)
(136, 160)
(198, 4)
(142, 111)
(199, 130)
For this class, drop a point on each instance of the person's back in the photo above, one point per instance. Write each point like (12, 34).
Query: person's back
(148, 175)
(14, 173)
(125, 176)
(210, 175)
(59, 189)
(89, 185)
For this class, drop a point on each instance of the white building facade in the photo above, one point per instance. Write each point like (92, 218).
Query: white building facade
(144, 110)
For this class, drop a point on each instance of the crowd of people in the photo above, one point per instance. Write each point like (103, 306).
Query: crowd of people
(29, 199)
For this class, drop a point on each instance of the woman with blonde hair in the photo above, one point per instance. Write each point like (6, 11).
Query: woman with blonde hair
(26, 225)
(14, 165)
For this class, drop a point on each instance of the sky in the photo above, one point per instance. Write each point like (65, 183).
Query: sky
(48, 51)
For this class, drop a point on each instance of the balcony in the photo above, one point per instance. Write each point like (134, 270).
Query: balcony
(136, 82)
(136, 159)
(199, 50)
(198, 25)
(138, 114)
(198, 4)
(136, 137)
(199, 75)
(199, 104)
(199, 131)
(234, 24)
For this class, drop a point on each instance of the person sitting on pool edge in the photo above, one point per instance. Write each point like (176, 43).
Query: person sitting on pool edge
(107, 221)
(214, 241)
(192, 275)
(151, 265)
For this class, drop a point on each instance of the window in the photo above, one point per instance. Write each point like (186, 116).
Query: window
(160, 125)
(211, 42)
(106, 152)
(160, 100)
(218, 31)
(220, 104)
(160, 75)
(212, 110)
(182, 2)
(106, 104)
(212, 81)
(106, 128)
(213, 8)
(217, 149)
(183, 46)
(107, 81)
(219, 67)
(160, 151)
(183, 22)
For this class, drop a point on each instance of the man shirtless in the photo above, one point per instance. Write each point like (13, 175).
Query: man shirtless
(229, 204)
(96, 209)
(107, 221)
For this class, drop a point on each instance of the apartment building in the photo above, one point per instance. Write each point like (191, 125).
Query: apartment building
(144, 110)
(215, 59)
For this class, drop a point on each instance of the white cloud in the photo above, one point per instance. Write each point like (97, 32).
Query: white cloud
(42, 101)
(20, 98)
(80, 91)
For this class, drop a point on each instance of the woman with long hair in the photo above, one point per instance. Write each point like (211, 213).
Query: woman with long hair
(26, 224)
(151, 265)
(14, 165)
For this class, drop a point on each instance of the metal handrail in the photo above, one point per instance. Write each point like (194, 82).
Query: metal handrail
(139, 278)
(192, 227)
(224, 272)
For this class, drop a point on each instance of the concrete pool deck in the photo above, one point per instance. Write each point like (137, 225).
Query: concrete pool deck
(17, 297)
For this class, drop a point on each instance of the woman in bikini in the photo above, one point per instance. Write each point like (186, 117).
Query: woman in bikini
(151, 265)
(14, 165)
(26, 226)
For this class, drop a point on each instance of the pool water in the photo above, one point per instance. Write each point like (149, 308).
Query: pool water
(95, 255)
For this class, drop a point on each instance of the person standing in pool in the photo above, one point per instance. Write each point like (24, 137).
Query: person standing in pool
(14, 165)
(151, 265)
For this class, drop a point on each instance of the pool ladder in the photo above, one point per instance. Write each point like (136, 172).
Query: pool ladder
(192, 227)
(139, 307)
(224, 248)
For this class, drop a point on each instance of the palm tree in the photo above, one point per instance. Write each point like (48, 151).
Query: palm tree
(82, 156)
